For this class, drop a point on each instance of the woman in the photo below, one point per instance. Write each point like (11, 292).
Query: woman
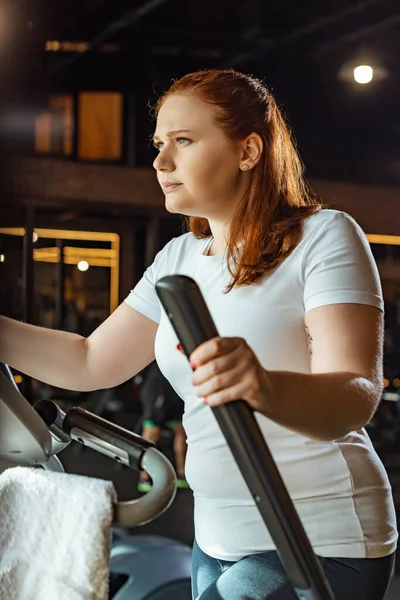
(295, 295)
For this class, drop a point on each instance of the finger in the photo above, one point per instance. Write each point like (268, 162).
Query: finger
(213, 348)
(223, 381)
(217, 366)
(234, 392)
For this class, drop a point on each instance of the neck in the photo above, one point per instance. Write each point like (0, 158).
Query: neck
(220, 226)
(220, 233)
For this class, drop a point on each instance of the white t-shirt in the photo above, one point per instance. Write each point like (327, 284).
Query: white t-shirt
(340, 489)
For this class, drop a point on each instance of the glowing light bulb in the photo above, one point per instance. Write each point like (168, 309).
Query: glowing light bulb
(363, 74)
(83, 265)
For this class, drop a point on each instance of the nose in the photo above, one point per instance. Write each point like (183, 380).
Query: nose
(163, 162)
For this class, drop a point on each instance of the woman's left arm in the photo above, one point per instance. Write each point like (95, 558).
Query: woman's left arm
(340, 394)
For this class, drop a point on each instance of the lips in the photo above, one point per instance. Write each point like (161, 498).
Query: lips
(170, 186)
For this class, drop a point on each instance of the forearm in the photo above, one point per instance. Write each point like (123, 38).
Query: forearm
(54, 357)
(321, 406)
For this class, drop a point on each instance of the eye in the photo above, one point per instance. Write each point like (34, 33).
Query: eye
(182, 140)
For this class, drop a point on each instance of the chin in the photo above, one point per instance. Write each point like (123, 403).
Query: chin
(170, 208)
(180, 208)
(174, 208)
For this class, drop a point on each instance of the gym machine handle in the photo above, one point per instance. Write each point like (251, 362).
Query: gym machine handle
(122, 446)
(34, 435)
(93, 431)
(190, 318)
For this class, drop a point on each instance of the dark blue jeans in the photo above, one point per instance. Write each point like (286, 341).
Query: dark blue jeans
(262, 577)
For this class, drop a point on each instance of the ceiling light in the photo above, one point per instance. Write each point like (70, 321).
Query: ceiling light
(363, 74)
(83, 265)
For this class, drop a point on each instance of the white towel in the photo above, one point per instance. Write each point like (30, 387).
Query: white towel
(55, 535)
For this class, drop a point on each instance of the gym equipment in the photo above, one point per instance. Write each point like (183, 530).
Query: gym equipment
(193, 325)
(141, 567)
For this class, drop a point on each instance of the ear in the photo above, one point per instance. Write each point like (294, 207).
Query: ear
(252, 148)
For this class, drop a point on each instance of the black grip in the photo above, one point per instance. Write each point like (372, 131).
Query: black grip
(189, 316)
(103, 430)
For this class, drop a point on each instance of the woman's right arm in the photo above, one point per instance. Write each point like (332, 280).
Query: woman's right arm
(117, 350)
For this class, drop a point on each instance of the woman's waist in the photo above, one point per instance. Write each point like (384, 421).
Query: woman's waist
(236, 529)
(213, 473)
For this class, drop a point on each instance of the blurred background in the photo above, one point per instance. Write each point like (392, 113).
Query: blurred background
(81, 213)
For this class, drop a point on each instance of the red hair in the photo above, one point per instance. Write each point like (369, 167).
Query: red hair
(270, 216)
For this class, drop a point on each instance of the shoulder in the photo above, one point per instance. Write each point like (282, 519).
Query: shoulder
(328, 225)
(335, 238)
(185, 240)
(328, 217)
(337, 262)
(177, 252)
(184, 243)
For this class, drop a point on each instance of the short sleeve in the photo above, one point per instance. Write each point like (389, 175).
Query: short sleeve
(143, 297)
(338, 266)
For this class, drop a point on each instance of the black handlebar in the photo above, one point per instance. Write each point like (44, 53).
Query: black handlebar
(193, 325)
(95, 432)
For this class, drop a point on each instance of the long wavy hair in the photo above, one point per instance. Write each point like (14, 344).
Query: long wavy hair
(270, 216)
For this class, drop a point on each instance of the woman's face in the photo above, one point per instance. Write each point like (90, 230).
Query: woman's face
(197, 167)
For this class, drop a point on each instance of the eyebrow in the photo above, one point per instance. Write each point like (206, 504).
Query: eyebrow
(172, 133)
